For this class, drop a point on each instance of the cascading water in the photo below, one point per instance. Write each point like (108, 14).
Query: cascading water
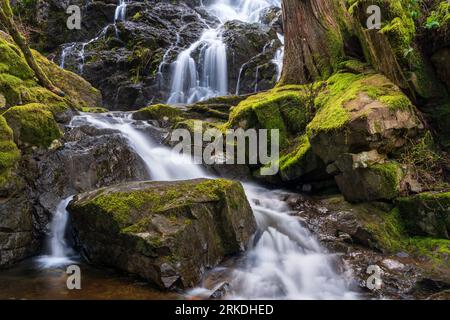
(279, 56)
(196, 80)
(78, 49)
(187, 86)
(285, 262)
(121, 11)
(60, 252)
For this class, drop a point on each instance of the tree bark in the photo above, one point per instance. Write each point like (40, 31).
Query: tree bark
(313, 40)
(6, 18)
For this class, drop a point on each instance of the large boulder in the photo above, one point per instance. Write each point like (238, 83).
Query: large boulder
(165, 232)
(361, 120)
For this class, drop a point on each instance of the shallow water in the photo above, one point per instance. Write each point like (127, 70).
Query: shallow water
(27, 281)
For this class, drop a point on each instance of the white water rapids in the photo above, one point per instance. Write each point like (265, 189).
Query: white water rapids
(286, 262)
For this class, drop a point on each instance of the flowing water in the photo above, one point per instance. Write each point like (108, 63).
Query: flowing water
(77, 50)
(60, 252)
(201, 71)
(286, 260)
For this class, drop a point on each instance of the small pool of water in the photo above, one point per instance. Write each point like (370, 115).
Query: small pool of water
(27, 281)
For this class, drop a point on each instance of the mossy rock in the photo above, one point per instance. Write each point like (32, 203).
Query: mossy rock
(436, 250)
(375, 182)
(426, 214)
(19, 85)
(361, 112)
(300, 163)
(159, 112)
(93, 110)
(9, 153)
(33, 125)
(158, 230)
(282, 108)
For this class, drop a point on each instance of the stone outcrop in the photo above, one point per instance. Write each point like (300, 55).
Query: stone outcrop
(166, 232)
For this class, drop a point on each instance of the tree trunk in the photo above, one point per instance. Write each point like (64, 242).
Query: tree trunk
(6, 18)
(313, 40)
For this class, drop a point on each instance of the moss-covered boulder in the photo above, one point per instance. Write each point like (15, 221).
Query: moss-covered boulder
(361, 112)
(33, 125)
(427, 214)
(379, 181)
(9, 153)
(284, 108)
(165, 232)
(361, 120)
(19, 86)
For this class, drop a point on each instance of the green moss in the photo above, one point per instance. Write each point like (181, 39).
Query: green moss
(397, 101)
(342, 88)
(439, 18)
(19, 86)
(127, 207)
(295, 159)
(426, 213)
(390, 173)
(283, 108)
(12, 62)
(332, 115)
(9, 153)
(33, 124)
(159, 112)
(387, 229)
(93, 110)
(437, 250)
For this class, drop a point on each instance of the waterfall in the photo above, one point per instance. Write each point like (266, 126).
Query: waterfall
(199, 79)
(286, 262)
(279, 56)
(187, 85)
(72, 49)
(121, 11)
(59, 250)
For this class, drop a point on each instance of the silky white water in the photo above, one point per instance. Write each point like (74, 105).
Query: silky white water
(200, 71)
(286, 262)
(60, 251)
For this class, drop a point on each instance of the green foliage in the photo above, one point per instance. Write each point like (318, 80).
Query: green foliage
(159, 112)
(33, 124)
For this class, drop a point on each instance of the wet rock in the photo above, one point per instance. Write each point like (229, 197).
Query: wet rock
(166, 232)
(17, 236)
(221, 291)
(369, 235)
(90, 158)
(251, 48)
